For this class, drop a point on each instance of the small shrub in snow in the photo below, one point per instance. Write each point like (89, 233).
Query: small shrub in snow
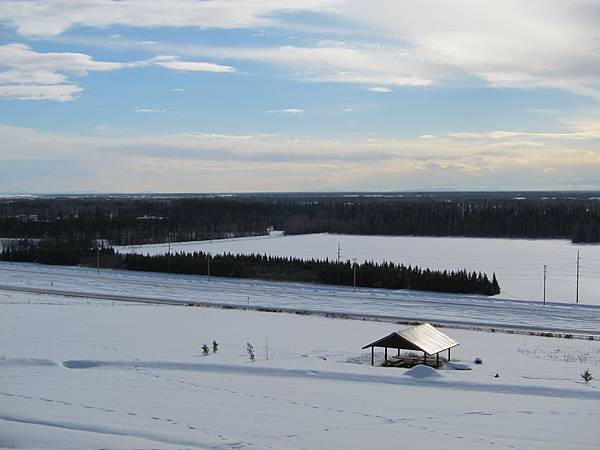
(215, 346)
(250, 350)
(587, 376)
(205, 350)
(478, 361)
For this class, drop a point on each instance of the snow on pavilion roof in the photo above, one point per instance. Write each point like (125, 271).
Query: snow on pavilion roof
(422, 337)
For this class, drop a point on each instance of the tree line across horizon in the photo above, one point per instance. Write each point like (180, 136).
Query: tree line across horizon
(135, 221)
(368, 274)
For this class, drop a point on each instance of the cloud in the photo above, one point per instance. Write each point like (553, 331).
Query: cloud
(547, 44)
(349, 109)
(56, 92)
(288, 111)
(201, 161)
(331, 61)
(380, 89)
(543, 111)
(550, 44)
(171, 62)
(53, 17)
(177, 90)
(148, 110)
(43, 76)
(31, 75)
(582, 130)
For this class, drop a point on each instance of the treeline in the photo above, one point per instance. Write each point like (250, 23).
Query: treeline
(368, 274)
(61, 252)
(132, 221)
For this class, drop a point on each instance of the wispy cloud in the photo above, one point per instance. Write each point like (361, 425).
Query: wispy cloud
(31, 75)
(173, 63)
(53, 17)
(380, 89)
(332, 62)
(148, 110)
(287, 111)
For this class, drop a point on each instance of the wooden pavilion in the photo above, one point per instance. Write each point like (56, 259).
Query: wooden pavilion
(421, 338)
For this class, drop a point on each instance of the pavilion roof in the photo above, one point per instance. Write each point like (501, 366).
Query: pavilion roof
(422, 337)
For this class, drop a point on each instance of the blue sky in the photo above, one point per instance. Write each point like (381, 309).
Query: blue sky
(194, 96)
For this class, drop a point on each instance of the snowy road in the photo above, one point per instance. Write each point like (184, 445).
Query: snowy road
(296, 297)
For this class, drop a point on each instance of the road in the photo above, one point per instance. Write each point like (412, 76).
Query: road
(332, 301)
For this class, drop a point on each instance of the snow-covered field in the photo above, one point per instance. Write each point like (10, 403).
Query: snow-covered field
(379, 303)
(518, 263)
(89, 374)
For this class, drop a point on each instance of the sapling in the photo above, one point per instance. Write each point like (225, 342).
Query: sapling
(205, 349)
(587, 376)
(250, 350)
(215, 346)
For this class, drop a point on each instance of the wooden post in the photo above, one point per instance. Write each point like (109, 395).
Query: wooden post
(425, 358)
(398, 353)
(386, 354)
(437, 359)
(448, 355)
(372, 356)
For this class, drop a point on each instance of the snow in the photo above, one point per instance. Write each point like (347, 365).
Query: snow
(421, 371)
(381, 304)
(518, 263)
(82, 373)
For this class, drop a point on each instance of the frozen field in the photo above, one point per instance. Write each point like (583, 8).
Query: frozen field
(92, 374)
(518, 263)
(466, 310)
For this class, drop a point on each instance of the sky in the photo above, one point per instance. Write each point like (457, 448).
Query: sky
(299, 95)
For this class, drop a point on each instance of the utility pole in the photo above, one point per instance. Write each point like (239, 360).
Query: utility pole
(169, 253)
(338, 263)
(208, 265)
(577, 289)
(545, 273)
(97, 253)
(354, 274)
